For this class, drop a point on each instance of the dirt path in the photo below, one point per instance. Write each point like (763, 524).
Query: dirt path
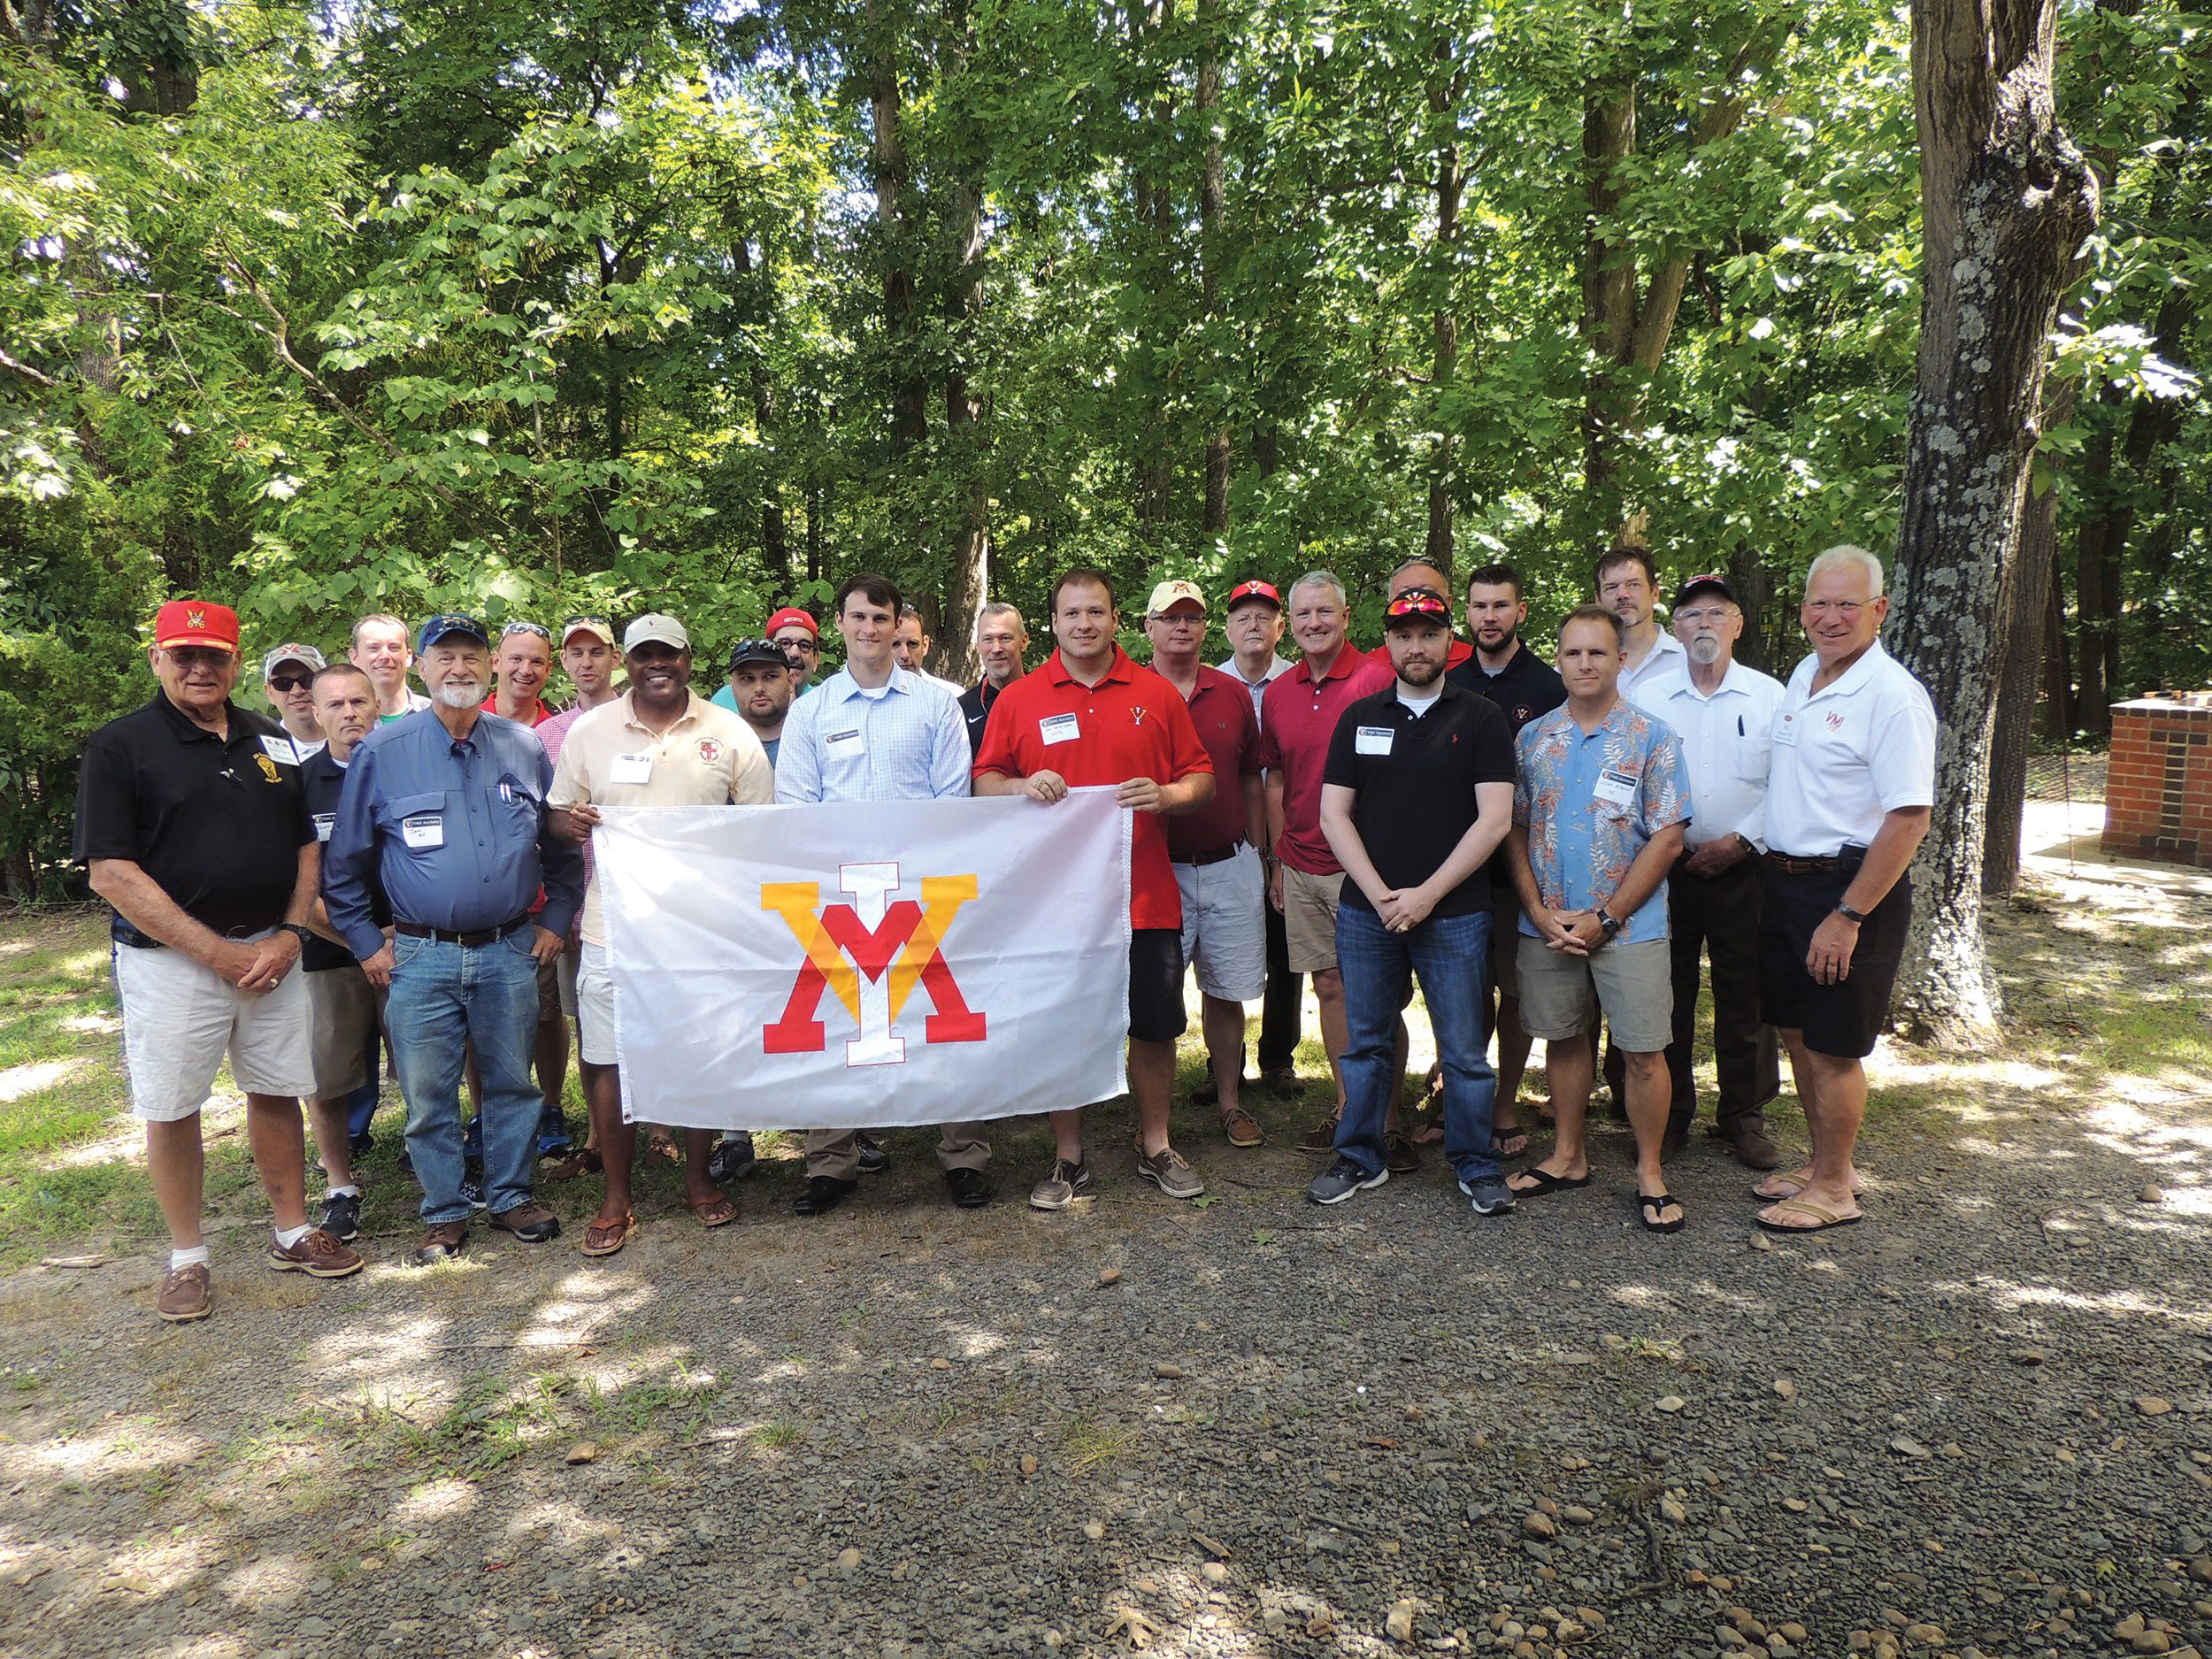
(1982, 1421)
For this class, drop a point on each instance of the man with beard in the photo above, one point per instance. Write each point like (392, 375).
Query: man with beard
(445, 814)
(763, 681)
(1001, 645)
(1724, 713)
(1417, 795)
(1523, 686)
(658, 745)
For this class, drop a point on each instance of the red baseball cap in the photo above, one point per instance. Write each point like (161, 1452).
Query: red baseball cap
(196, 622)
(1243, 591)
(788, 616)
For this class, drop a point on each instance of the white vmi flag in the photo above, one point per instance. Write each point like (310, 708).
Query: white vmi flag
(864, 964)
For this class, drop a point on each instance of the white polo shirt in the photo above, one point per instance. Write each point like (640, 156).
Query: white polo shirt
(1845, 756)
(709, 757)
(1666, 656)
(1725, 742)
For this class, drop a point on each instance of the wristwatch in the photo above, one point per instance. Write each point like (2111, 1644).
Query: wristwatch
(1846, 911)
(296, 931)
(1608, 924)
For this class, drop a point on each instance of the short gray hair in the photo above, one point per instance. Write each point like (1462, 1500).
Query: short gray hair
(999, 608)
(1845, 556)
(1323, 579)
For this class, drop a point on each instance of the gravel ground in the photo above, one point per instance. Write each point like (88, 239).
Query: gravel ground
(1981, 1422)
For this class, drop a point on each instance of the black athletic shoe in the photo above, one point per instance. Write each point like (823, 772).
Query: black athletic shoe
(341, 1216)
(873, 1156)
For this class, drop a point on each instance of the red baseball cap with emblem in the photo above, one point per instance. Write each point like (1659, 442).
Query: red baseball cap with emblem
(196, 622)
(788, 615)
(1263, 591)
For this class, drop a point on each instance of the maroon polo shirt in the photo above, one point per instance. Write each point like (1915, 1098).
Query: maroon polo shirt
(1133, 723)
(1297, 719)
(1221, 708)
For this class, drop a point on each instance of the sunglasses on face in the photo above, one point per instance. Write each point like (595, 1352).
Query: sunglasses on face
(291, 682)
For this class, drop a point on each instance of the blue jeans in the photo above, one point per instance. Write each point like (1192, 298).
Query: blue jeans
(1452, 956)
(443, 998)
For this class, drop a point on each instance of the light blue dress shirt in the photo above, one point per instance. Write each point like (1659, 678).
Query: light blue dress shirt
(906, 740)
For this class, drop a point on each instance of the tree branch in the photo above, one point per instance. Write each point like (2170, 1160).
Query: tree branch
(16, 365)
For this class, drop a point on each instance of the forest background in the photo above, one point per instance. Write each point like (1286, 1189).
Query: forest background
(591, 305)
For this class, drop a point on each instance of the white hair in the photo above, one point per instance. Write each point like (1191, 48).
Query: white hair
(1844, 556)
(998, 608)
(1321, 578)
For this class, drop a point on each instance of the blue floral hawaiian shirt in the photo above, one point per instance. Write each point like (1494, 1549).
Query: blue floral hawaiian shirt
(1591, 803)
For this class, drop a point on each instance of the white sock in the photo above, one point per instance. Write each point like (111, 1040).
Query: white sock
(196, 1256)
(286, 1237)
(347, 1191)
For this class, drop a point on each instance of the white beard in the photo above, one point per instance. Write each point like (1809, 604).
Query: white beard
(465, 694)
(1705, 650)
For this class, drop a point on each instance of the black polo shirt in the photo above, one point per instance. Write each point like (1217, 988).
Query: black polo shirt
(322, 778)
(1525, 688)
(975, 709)
(217, 825)
(1416, 785)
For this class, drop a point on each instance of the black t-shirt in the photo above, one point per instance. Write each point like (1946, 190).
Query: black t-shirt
(975, 709)
(1416, 785)
(322, 778)
(217, 825)
(1525, 688)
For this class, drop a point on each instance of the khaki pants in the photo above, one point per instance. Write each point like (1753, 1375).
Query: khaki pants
(836, 1153)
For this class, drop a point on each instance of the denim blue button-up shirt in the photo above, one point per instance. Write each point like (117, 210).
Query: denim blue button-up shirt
(453, 830)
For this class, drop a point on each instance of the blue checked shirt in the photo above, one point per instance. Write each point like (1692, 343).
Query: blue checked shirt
(453, 831)
(907, 742)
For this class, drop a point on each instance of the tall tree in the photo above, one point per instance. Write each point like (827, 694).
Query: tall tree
(2005, 202)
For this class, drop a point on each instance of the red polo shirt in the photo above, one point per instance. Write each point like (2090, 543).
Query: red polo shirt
(1132, 723)
(1297, 719)
(1221, 708)
(536, 714)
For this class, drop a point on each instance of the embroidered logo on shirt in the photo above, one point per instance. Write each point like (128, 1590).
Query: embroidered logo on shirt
(709, 749)
(1136, 714)
(268, 768)
(1835, 722)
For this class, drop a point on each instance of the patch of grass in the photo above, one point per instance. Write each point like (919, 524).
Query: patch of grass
(779, 1435)
(1093, 1445)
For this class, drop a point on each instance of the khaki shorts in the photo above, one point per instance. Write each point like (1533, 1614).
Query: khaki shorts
(1309, 919)
(566, 973)
(549, 1010)
(595, 1007)
(1635, 983)
(342, 1007)
(179, 1018)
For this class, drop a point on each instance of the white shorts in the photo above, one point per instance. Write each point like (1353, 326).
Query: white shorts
(595, 1006)
(1224, 924)
(179, 1018)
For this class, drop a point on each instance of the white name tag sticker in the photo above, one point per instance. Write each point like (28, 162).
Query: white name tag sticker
(1616, 789)
(280, 750)
(323, 823)
(1372, 740)
(846, 743)
(1059, 728)
(1785, 730)
(423, 834)
(631, 769)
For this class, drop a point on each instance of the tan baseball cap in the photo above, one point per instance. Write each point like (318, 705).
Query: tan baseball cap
(656, 628)
(1170, 594)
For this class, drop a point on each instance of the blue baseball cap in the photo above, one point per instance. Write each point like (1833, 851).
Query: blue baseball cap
(439, 628)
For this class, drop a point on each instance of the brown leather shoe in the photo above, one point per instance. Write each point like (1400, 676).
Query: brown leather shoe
(1320, 1140)
(529, 1221)
(1755, 1147)
(441, 1243)
(317, 1255)
(1398, 1152)
(187, 1293)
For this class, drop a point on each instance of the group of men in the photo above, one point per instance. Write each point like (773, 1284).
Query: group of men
(1544, 849)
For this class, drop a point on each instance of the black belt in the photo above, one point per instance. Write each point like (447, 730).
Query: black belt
(1849, 859)
(123, 934)
(1219, 855)
(481, 936)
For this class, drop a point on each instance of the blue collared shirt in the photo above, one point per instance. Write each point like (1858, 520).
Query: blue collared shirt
(453, 831)
(1590, 801)
(904, 742)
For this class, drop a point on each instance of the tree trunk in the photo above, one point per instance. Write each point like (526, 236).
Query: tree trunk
(2058, 674)
(1753, 582)
(2026, 602)
(2091, 537)
(775, 538)
(1211, 172)
(910, 399)
(2006, 202)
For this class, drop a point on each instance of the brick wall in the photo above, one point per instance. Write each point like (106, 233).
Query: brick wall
(2158, 793)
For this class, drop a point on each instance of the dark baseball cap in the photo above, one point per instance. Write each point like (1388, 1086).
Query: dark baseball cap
(756, 651)
(1711, 581)
(440, 627)
(1417, 604)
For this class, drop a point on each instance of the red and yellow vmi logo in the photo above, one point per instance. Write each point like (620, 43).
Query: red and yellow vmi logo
(871, 952)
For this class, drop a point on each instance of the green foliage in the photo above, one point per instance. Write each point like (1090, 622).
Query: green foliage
(598, 303)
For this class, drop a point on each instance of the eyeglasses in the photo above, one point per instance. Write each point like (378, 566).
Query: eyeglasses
(1845, 608)
(188, 657)
(291, 682)
(538, 628)
(800, 643)
(1702, 615)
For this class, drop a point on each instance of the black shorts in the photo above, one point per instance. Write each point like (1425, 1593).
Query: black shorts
(1840, 1019)
(1155, 983)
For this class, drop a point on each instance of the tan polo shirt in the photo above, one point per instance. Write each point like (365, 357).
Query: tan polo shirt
(710, 758)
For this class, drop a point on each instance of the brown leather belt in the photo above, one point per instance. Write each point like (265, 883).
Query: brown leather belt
(481, 936)
(1790, 866)
(1219, 855)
